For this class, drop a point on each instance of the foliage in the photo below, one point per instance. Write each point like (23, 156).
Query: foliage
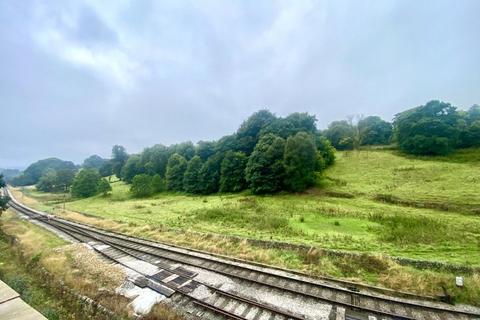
(85, 183)
(210, 174)
(3, 199)
(470, 131)
(192, 182)
(106, 169)
(158, 183)
(94, 162)
(131, 168)
(265, 170)
(326, 151)
(232, 172)
(249, 132)
(431, 129)
(104, 187)
(205, 149)
(176, 167)
(341, 134)
(32, 174)
(56, 181)
(119, 158)
(300, 160)
(374, 131)
(291, 125)
(141, 186)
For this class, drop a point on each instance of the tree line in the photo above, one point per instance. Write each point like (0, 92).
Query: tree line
(266, 154)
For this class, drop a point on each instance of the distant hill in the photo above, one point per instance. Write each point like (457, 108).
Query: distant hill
(9, 174)
(32, 174)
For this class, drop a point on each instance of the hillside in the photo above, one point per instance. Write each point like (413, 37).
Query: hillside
(344, 213)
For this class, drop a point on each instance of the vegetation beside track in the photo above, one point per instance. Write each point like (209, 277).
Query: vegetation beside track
(38, 263)
(344, 214)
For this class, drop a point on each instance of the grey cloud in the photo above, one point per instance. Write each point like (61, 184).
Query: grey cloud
(78, 77)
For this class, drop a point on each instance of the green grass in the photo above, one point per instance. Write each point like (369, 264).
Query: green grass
(325, 217)
(345, 213)
(451, 180)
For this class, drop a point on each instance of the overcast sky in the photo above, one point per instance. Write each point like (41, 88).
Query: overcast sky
(77, 77)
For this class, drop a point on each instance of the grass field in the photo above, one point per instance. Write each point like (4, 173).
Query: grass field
(369, 202)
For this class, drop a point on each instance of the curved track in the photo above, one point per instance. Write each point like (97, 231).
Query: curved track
(232, 305)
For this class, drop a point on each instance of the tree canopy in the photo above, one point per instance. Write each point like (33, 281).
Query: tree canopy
(94, 162)
(300, 159)
(374, 131)
(32, 174)
(176, 167)
(431, 129)
(265, 170)
(85, 183)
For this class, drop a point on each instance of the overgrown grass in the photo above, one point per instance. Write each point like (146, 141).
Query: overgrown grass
(372, 202)
(451, 181)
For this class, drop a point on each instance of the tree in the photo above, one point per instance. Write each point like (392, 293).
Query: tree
(249, 132)
(32, 174)
(141, 186)
(470, 130)
(47, 182)
(431, 129)
(205, 149)
(106, 169)
(265, 170)
(232, 172)
(374, 131)
(176, 167)
(291, 125)
(300, 160)
(325, 150)
(4, 199)
(85, 183)
(210, 174)
(64, 179)
(131, 168)
(341, 134)
(119, 157)
(158, 184)
(94, 162)
(192, 179)
(104, 187)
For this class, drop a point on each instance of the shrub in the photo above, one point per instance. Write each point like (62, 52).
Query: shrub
(141, 186)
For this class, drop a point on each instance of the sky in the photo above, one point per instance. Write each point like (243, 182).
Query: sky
(77, 77)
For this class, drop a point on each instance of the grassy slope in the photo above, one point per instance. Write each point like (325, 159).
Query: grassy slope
(357, 224)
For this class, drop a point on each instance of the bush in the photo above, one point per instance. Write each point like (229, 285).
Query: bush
(141, 186)
(85, 183)
(104, 187)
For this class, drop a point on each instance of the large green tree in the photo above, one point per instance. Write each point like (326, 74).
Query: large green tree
(85, 183)
(141, 186)
(470, 130)
(131, 168)
(325, 149)
(342, 134)
(431, 129)
(210, 174)
(265, 170)
(249, 132)
(119, 157)
(192, 182)
(93, 162)
(232, 172)
(176, 167)
(374, 131)
(300, 159)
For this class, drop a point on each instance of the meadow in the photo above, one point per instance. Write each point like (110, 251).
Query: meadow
(377, 203)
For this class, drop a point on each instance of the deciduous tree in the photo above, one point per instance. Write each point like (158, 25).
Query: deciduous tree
(176, 167)
(300, 162)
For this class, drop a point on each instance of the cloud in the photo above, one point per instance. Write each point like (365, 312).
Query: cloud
(80, 76)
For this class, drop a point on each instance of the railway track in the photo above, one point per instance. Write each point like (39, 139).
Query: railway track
(234, 304)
